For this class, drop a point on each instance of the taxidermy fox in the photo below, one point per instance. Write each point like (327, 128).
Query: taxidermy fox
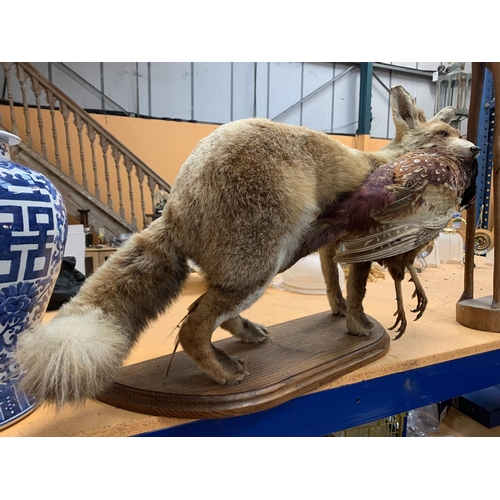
(239, 209)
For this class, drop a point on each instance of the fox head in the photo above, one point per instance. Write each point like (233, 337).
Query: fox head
(413, 131)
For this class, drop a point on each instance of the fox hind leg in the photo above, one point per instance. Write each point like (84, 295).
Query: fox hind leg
(247, 331)
(219, 307)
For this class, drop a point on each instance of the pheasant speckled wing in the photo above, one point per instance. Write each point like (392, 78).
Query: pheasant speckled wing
(426, 188)
(400, 206)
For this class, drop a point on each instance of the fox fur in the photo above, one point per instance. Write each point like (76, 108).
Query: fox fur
(239, 208)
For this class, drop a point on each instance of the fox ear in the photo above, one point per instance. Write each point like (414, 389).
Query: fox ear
(445, 115)
(404, 110)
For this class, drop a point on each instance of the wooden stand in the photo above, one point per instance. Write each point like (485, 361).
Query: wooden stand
(299, 356)
(484, 313)
(478, 314)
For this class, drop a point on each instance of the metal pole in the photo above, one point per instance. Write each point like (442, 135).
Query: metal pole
(254, 89)
(365, 98)
(495, 69)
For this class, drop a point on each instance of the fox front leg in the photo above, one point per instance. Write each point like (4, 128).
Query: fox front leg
(357, 322)
(330, 271)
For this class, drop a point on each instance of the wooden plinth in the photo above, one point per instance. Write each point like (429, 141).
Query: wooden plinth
(478, 314)
(299, 356)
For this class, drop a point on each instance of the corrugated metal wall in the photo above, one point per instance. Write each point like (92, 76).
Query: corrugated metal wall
(219, 92)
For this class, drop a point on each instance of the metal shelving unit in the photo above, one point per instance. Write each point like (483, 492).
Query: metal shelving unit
(485, 160)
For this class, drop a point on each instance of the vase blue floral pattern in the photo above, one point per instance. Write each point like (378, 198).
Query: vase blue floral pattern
(33, 231)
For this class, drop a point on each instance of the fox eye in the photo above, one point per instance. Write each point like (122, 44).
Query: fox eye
(443, 133)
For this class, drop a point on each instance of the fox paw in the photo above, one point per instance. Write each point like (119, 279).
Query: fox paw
(230, 371)
(359, 324)
(246, 330)
(338, 305)
(253, 333)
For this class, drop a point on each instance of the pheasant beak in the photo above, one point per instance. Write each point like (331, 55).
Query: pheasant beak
(475, 151)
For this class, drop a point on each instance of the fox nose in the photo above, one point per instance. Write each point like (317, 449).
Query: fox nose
(475, 150)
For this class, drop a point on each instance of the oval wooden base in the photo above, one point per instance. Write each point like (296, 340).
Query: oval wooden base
(478, 314)
(299, 356)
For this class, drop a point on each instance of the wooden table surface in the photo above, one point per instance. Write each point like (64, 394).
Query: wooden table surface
(435, 338)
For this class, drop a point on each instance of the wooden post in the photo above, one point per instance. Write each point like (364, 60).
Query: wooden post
(472, 134)
(483, 313)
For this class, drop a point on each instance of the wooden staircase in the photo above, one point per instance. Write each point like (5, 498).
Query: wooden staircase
(91, 168)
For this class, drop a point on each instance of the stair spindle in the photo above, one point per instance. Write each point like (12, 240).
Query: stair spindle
(79, 127)
(37, 90)
(140, 176)
(65, 114)
(91, 135)
(21, 76)
(52, 105)
(104, 147)
(128, 167)
(117, 155)
(10, 97)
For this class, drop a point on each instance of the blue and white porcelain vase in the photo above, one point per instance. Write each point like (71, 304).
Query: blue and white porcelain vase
(33, 231)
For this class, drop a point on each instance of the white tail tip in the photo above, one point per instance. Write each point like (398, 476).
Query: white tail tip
(73, 357)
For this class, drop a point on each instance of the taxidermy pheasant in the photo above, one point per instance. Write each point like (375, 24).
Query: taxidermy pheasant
(400, 208)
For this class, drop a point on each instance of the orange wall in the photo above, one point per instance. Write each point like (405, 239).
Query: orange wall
(162, 145)
(165, 145)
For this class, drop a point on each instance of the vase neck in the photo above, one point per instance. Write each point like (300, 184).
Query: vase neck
(4, 150)
(6, 140)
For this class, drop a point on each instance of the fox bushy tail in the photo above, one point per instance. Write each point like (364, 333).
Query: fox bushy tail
(77, 354)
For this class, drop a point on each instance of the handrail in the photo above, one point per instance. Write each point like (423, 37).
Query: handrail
(87, 84)
(74, 152)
